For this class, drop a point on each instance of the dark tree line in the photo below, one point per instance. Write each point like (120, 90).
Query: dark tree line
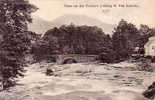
(78, 39)
(84, 39)
(14, 40)
(126, 37)
(73, 39)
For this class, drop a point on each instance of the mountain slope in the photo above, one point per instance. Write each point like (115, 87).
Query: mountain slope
(41, 26)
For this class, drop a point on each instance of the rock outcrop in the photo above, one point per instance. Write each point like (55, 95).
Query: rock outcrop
(150, 92)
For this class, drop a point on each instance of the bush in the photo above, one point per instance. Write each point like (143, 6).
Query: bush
(145, 65)
(109, 57)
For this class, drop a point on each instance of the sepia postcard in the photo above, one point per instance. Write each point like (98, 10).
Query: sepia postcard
(77, 50)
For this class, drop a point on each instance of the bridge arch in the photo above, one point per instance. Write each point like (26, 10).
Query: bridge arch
(69, 61)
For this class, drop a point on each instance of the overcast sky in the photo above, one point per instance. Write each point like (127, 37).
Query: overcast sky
(144, 14)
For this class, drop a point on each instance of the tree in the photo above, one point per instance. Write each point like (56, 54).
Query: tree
(73, 39)
(43, 50)
(13, 49)
(124, 37)
(108, 55)
(15, 15)
(145, 32)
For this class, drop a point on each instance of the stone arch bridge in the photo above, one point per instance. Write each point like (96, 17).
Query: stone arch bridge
(75, 58)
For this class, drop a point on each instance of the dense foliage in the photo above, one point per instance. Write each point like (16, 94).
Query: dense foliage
(127, 37)
(84, 39)
(42, 50)
(145, 33)
(124, 39)
(78, 39)
(15, 15)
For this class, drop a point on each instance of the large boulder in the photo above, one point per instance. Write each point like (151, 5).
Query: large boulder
(150, 92)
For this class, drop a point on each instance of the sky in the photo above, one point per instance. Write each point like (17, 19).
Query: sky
(144, 13)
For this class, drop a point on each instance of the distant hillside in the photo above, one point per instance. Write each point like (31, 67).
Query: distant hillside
(41, 26)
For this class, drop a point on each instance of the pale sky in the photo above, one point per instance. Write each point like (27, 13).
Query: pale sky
(144, 14)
